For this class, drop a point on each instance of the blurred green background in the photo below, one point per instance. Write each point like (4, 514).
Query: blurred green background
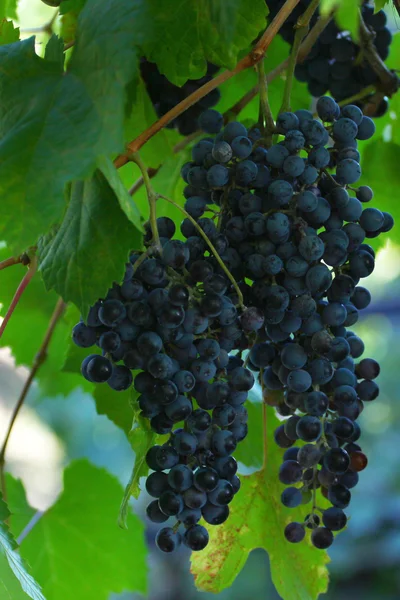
(51, 431)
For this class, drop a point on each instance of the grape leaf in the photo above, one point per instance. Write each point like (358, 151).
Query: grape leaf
(54, 51)
(8, 33)
(21, 512)
(72, 118)
(249, 451)
(379, 4)
(141, 438)
(379, 175)
(76, 549)
(257, 520)
(115, 405)
(196, 31)
(4, 511)
(69, 11)
(88, 252)
(8, 547)
(141, 116)
(346, 14)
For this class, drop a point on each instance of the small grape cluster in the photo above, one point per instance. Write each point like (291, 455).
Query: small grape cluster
(165, 95)
(336, 63)
(286, 239)
(174, 320)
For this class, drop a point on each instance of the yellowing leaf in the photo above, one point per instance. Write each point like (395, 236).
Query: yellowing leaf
(257, 520)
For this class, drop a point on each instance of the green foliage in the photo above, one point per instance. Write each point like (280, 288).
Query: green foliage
(63, 122)
(142, 115)
(76, 117)
(250, 450)
(196, 31)
(115, 405)
(87, 231)
(8, 33)
(69, 11)
(8, 8)
(379, 4)
(35, 309)
(379, 175)
(76, 550)
(257, 520)
(346, 14)
(141, 438)
(10, 560)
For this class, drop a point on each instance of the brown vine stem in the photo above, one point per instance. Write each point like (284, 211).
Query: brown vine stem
(251, 59)
(211, 246)
(20, 290)
(389, 80)
(37, 363)
(301, 30)
(9, 262)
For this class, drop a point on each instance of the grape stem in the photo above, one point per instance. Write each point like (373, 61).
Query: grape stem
(251, 59)
(301, 29)
(303, 53)
(15, 260)
(370, 89)
(37, 363)
(389, 82)
(265, 119)
(152, 200)
(18, 294)
(211, 246)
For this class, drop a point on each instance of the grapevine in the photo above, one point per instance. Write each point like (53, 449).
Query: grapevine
(205, 257)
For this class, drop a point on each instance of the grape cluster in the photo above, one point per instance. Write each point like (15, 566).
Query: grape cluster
(175, 320)
(336, 63)
(165, 95)
(292, 235)
(299, 234)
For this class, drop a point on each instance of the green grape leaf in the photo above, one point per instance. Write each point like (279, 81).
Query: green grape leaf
(71, 120)
(54, 51)
(8, 548)
(249, 451)
(141, 116)
(4, 511)
(195, 32)
(379, 4)
(125, 200)
(88, 252)
(21, 512)
(76, 549)
(257, 520)
(346, 14)
(115, 405)
(8, 33)
(381, 176)
(141, 438)
(70, 11)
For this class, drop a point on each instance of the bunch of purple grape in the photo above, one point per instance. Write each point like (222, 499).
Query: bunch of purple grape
(287, 223)
(165, 95)
(336, 64)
